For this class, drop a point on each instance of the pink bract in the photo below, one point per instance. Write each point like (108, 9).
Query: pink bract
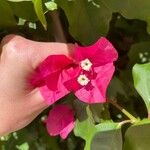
(96, 91)
(60, 121)
(100, 53)
(59, 74)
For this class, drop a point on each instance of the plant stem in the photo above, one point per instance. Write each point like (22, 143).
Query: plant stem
(90, 114)
(124, 122)
(57, 27)
(125, 112)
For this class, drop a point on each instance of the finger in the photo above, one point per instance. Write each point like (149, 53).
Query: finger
(35, 52)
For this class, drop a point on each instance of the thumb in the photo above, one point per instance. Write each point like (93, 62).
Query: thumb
(32, 53)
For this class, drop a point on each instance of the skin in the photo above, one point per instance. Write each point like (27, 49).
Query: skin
(20, 103)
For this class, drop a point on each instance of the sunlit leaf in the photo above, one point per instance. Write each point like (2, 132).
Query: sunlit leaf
(18, 0)
(38, 6)
(87, 130)
(141, 77)
(23, 146)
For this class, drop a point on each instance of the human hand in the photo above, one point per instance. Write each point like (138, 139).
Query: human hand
(20, 103)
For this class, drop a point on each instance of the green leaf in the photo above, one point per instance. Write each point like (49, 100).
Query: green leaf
(108, 135)
(107, 125)
(6, 15)
(51, 5)
(108, 140)
(128, 10)
(89, 21)
(18, 0)
(24, 10)
(24, 146)
(137, 136)
(141, 77)
(119, 88)
(87, 130)
(86, 21)
(38, 6)
(139, 53)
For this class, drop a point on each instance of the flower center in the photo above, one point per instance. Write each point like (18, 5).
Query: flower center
(83, 80)
(86, 64)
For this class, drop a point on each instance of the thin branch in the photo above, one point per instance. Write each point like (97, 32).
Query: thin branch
(125, 112)
(57, 27)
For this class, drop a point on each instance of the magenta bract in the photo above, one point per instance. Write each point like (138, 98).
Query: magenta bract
(87, 74)
(60, 121)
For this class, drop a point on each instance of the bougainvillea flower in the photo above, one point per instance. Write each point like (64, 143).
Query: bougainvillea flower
(50, 76)
(60, 121)
(87, 73)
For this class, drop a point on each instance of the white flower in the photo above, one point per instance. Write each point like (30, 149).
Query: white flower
(86, 64)
(83, 80)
